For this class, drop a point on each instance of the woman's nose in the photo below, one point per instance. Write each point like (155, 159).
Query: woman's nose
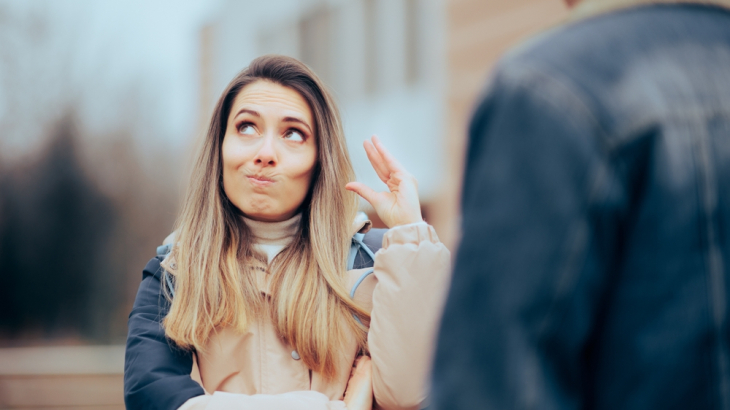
(266, 154)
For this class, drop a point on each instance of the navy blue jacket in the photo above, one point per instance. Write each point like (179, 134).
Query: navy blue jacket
(156, 373)
(594, 266)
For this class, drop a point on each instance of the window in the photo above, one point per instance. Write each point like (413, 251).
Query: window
(280, 39)
(412, 35)
(315, 42)
(371, 48)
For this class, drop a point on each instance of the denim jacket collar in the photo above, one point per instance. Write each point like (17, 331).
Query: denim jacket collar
(590, 8)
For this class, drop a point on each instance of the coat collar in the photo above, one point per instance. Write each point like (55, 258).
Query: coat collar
(591, 8)
(361, 224)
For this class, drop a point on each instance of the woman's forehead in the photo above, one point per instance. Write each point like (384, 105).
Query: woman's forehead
(269, 98)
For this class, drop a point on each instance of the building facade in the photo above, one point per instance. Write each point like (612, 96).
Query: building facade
(478, 33)
(406, 70)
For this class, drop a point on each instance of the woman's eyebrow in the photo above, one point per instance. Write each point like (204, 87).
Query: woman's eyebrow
(249, 111)
(297, 120)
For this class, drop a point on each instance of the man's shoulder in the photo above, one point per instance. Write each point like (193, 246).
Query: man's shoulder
(626, 67)
(569, 46)
(602, 45)
(554, 57)
(560, 55)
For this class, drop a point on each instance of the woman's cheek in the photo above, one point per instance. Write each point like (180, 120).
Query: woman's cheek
(304, 175)
(300, 180)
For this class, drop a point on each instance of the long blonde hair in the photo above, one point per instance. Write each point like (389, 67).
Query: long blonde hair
(215, 287)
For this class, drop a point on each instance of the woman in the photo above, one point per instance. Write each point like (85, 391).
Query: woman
(257, 312)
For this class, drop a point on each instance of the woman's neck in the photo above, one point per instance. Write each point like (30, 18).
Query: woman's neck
(272, 237)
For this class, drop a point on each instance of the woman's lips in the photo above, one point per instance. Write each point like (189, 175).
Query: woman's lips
(260, 181)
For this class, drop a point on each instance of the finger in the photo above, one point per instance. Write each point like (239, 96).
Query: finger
(363, 374)
(365, 366)
(376, 161)
(362, 365)
(364, 191)
(359, 392)
(390, 162)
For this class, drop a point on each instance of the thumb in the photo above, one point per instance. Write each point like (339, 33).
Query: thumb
(363, 190)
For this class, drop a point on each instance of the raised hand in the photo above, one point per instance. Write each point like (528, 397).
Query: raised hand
(400, 206)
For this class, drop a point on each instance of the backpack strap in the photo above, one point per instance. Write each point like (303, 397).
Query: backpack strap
(354, 288)
(356, 245)
(162, 252)
(364, 247)
(359, 281)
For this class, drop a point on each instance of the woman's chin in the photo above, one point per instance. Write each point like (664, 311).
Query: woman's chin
(267, 215)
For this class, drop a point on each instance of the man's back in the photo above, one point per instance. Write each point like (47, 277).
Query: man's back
(594, 269)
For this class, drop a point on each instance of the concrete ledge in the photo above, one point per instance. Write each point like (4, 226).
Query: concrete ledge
(62, 360)
(62, 378)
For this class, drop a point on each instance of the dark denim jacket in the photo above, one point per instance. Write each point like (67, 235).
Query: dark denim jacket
(594, 267)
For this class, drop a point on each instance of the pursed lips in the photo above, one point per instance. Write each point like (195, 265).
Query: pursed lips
(260, 181)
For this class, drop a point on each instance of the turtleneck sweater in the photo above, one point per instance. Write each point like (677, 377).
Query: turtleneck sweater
(270, 238)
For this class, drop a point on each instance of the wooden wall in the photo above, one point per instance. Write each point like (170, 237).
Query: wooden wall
(478, 33)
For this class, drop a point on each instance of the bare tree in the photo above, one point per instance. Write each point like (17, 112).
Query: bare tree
(80, 211)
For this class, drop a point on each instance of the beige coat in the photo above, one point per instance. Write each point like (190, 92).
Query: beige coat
(405, 296)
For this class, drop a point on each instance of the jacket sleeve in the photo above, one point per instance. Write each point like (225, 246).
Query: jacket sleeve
(156, 374)
(412, 271)
(531, 266)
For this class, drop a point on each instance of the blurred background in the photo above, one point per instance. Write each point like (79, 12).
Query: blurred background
(101, 104)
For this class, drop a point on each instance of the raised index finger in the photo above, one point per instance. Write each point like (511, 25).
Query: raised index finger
(390, 161)
(377, 161)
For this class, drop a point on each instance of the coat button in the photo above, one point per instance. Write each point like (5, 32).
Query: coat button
(295, 355)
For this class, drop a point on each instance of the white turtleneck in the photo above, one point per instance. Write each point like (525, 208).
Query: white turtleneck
(272, 237)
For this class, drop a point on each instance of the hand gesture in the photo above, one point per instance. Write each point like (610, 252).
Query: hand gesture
(400, 206)
(359, 393)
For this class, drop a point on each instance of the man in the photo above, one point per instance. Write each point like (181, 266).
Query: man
(594, 266)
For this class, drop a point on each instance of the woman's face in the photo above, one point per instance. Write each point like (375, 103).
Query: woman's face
(269, 151)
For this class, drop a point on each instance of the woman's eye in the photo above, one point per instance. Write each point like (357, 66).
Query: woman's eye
(247, 129)
(294, 135)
